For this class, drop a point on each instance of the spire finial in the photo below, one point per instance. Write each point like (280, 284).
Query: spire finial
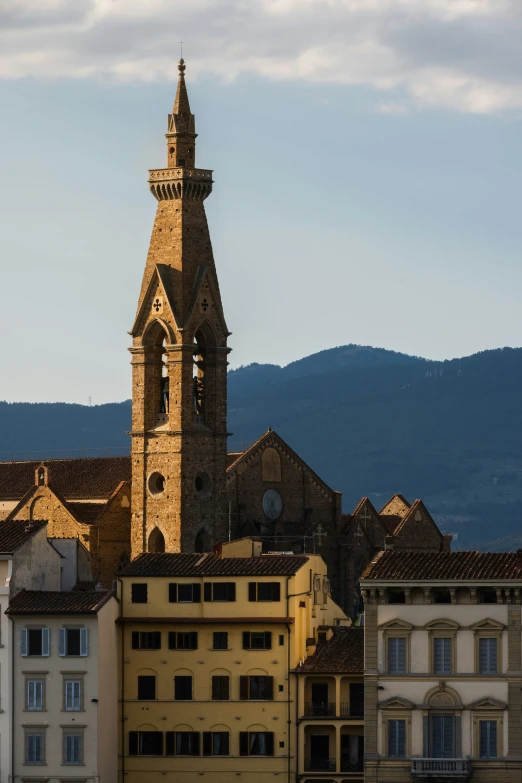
(181, 67)
(181, 49)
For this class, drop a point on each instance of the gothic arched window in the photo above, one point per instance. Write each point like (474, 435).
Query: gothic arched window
(156, 541)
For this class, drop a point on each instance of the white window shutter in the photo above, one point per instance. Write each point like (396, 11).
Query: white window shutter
(84, 642)
(62, 642)
(31, 694)
(38, 694)
(46, 642)
(23, 641)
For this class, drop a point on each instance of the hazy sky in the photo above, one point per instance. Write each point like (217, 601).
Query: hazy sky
(367, 158)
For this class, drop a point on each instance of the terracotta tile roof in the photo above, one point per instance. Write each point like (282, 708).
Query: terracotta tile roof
(87, 513)
(16, 532)
(57, 602)
(343, 653)
(89, 477)
(443, 565)
(211, 565)
(232, 456)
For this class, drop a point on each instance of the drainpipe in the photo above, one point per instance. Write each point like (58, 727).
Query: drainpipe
(288, 659)
(12, 710)
(297, 722)
(122, 684)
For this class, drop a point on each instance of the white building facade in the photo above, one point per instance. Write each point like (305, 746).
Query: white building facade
(443, 667)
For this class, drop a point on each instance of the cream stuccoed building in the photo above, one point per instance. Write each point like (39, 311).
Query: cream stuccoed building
(443, 667)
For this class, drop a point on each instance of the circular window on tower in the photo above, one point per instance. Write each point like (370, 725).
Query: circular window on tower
(156, 483)
(202, 485)
(272, 504)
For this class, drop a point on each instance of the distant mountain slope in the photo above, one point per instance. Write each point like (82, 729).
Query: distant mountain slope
(369, 421)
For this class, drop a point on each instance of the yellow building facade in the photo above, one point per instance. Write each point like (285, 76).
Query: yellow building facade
(208, 648)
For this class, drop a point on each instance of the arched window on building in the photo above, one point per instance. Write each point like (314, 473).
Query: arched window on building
(156, 541)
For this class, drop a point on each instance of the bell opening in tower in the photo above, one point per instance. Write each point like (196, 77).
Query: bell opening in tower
(199, 379)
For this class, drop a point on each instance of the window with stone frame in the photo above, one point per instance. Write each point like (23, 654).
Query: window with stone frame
(488, 646)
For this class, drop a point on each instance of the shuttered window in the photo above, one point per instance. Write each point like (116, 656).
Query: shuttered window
(397, 739)
(146, 687)
(264, 591)
(146, 743)
(183, 640)
(256, 743)
(488, 739)
(73, 749)
(443, 736)
(73, 641)
(182, 743)
(397, 655)
(219, 591)
(183, 687)
(220, 687)
(35, 694)
(255, 687)
(73, 695)
(488, 656)
(35, 749)
(184, 593)
(442, 653)
(35, 641)
(257, 640)
(216, 743)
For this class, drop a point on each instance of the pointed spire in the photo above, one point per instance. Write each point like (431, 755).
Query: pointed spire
(182, 119)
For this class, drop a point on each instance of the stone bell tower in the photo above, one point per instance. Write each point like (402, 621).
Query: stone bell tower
(179, 362)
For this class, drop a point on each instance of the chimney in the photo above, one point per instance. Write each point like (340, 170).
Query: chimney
(389, 543)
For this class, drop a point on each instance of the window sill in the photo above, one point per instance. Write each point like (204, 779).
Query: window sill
(31, 712)
(69, 711)
(220, 649)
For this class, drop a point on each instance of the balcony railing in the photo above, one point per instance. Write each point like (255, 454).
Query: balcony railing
(320, 709)
(352, 766)
(352, 709)
(441, 768)
(319, 765)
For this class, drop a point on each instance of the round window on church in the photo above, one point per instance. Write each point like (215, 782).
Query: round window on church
(272, 504)
(202, 484)
(156, 483)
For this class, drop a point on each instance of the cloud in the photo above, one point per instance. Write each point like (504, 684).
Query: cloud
(462, 55)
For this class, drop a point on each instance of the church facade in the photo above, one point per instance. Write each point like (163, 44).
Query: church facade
(179, 490)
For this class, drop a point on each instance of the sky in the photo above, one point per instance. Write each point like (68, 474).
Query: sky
(366, 156)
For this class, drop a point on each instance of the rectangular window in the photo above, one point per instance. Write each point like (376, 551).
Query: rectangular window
(256, 687)
(35, 748)
(183, 640)
(146, 640)
(488, 656)
(488, 739)
(183, 688)
(220, 640)
(216, 743)
(220, 688)
(256, 743)
(139, 593)
(145, 743)
(182, 743)
(442, 663)
(396, 655)
(220, 591)
(35, 690)
(264, 591)
(73, 748)
(35, 642)
(443, 736)
(257, 640)
(180, 593)
(73, 641)
(146, 687)
(73, 695)
(397, 739)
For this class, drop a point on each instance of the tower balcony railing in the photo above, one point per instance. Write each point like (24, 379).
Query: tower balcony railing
(426, 768)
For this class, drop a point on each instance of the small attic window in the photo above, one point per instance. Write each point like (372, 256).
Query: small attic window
(396, 597)
(441, 597)
(321, 637)
(487, 597)
(41, 477)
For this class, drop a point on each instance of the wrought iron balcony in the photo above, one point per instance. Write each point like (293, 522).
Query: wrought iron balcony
(320, 709)
(352, 709)
(440, 768)
(319, 765)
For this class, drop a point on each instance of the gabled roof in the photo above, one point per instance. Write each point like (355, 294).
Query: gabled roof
(263, 441)
(15, 533)
(417, 505)
(421, 566)
(78, 478)
(397, 505)
(58, 602)
(343, 653)
(209, 564)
